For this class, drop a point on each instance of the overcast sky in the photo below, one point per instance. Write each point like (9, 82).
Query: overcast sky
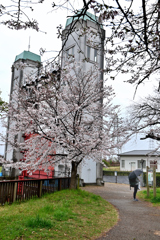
(14, 42)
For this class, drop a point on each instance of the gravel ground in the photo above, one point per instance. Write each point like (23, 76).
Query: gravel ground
(137, 220)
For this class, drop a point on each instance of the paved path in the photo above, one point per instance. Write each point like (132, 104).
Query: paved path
(137, 220)
(113, 179)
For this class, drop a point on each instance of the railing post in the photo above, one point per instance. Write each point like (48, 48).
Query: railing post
(39, 188)
(1, 192)
(15, 192)
(154, 181)
(59, 184)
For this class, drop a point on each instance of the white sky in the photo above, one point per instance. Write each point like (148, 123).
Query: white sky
(14, 42)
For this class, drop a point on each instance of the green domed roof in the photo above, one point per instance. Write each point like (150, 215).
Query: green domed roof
(28, 55)
(88, 16)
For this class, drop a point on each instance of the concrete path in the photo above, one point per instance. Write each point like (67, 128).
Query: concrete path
(137, 220)
(113, 179)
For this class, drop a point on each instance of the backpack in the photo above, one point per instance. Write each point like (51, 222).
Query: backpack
(132, 183)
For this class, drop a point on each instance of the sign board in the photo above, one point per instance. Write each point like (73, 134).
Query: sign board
(150, 178)
(115, 173)
(153, 164)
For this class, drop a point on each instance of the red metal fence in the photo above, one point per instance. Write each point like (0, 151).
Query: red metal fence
(17, 190)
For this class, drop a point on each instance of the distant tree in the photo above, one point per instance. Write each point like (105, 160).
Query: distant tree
(67, 117)
(3, 105)
(145, 117)
(106, 162)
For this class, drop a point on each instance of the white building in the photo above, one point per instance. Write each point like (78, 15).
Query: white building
(85, 45)
(129, 161)
(87, 49)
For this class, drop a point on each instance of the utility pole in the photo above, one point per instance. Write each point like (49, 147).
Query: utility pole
(147, 181)
(142, 162)
(154, 180)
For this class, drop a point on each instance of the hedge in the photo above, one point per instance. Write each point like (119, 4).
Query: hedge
(157, 179)
(119, 173)
(126, 173)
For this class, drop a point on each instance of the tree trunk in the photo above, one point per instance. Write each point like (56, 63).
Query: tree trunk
(73, 183)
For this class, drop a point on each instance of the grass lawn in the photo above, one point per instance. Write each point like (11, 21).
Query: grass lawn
(111, 169)
(154, 201)
(67, 214)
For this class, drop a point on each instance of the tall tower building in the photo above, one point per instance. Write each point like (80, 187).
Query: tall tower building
(83, 42)
(25, 64)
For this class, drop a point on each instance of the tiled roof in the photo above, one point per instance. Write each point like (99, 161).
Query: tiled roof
(140, 153)
(88, 16)
(28, 55)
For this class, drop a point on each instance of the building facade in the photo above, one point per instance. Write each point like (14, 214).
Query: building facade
(25, 64)
(138, 159)
(83, 43)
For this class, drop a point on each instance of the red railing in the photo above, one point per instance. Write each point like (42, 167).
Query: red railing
(18, 190)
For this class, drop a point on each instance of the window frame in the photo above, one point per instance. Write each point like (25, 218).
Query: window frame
(140, 165)
(89, 52)
(123, 163)
(70, 52)
(95, 54)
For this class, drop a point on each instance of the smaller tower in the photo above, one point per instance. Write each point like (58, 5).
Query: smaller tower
(25, 64)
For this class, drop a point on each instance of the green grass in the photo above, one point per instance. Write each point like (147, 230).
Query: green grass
(68, 214)
(112, 169)
(38, 222)
(154, 200)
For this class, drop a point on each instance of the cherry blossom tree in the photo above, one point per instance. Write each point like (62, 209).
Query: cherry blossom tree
(131, 47)
(133, 37)
(70, 116)
(15, 14)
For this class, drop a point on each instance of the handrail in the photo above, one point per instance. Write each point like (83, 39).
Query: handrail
(33, 179)
(19, 190)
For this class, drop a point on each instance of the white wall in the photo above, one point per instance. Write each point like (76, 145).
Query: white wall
(87, 171)
(131, 162)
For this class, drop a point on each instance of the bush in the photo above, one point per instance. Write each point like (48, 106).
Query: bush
(106, 163)
(119, 173)
(157, 179)
(108, 173)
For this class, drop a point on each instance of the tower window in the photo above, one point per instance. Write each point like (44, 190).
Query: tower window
(70, 52)
(123, 163)
(95, 55)
(67, 53)
(88, 52)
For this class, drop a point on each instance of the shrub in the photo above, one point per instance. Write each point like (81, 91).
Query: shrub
(119, 173)
(106, 163)
(157, 179)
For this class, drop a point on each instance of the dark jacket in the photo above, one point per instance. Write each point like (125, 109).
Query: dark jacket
(133, 182)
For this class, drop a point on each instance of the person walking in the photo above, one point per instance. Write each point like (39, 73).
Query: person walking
(134, 181)
(135, 188)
